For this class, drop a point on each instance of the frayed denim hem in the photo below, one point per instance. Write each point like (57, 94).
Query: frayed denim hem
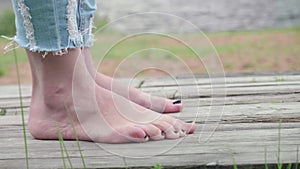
(14, 44)
(53, 26)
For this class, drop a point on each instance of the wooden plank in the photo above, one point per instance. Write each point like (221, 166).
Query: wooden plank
(196, 80)
(9, 94)
(239, 100)
(242, 127)
(263, 92)
(194, 91)
(9, 91)
(14, 103)
(245, 144)
(245, 112)
(14, 107)
(164, 160)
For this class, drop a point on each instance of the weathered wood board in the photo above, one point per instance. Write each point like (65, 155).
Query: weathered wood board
(241, 125)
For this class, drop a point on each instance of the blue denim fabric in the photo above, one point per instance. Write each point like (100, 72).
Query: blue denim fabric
(54, 25)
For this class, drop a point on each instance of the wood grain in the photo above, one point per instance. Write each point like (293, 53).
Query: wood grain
(241, 123)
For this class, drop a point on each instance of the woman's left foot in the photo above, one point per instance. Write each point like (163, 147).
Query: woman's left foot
(154, 103)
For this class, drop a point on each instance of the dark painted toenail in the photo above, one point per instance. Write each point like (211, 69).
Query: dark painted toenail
(163, 133)
(177, 102)
(182, 130)
(175, 132)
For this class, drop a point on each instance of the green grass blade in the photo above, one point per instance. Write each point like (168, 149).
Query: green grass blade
(76, 136)
(67, 154)
(233, 159)
(297, 156)
(279, 164)
(235, 166)
(289, 166)
(125, 163)
(266, 163)
(22, 111)
(61, 147)
(61, 140)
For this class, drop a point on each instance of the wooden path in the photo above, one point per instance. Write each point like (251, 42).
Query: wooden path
(237, 124)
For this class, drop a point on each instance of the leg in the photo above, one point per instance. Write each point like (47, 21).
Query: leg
(101, 117)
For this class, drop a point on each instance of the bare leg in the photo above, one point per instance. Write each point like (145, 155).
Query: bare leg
(154, 103)
(53, 82)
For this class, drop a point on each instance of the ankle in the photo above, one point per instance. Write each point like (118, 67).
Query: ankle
(48, 112)
(56, 92)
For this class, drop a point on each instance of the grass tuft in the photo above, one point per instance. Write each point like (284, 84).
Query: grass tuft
(289, 166)
(158, 166)
(280, 79)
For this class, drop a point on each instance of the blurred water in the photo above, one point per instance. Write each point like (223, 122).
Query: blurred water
(208, 15)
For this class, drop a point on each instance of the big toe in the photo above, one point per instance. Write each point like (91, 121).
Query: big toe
(163, 105)
(173, 106)
(127, 134)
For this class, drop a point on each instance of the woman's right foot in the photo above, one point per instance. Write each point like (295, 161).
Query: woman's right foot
(158, 104)
(62, 94)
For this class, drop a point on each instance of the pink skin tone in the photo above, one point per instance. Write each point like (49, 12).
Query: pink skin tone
(101, 115)
(154, 103)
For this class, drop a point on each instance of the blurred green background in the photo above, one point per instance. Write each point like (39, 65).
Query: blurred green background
(260, 50)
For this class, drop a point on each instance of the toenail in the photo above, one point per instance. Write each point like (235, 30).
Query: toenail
(163, 133)
(177, 102)
(182, 130)
(175, 132)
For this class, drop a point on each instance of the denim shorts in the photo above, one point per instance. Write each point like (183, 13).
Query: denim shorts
(54, 25)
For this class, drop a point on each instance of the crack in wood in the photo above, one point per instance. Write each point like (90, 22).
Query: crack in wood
(262, 120)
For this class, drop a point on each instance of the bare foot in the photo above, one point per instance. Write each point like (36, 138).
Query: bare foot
(97, 114)
(154, 103)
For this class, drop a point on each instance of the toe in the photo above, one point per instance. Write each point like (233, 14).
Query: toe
(136, 134)
(164, 105)
(179, 125)
(168, 130)
(128, 134)
(188, 128)
(173, 106)
(152, 131)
